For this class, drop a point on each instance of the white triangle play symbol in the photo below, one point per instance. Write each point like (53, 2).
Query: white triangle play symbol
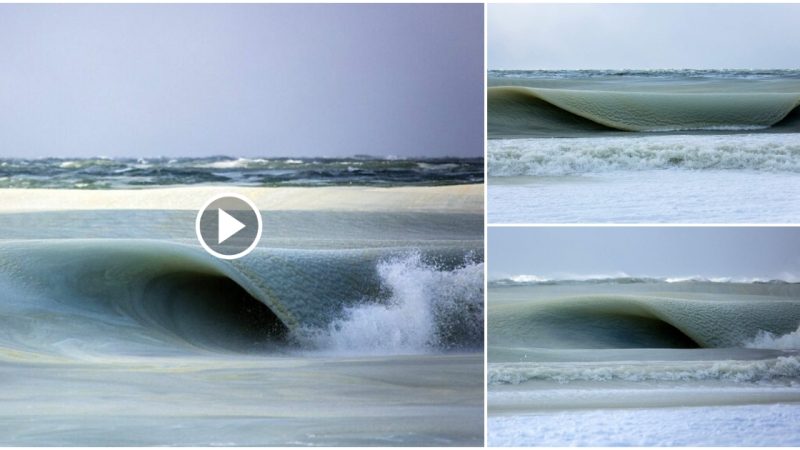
(227, 226)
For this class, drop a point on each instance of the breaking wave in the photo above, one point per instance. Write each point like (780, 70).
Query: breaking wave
(783, 368)
(636, 111)
(531, 157)
(669, 320)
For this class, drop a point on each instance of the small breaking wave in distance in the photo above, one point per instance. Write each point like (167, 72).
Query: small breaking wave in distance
(623, 278)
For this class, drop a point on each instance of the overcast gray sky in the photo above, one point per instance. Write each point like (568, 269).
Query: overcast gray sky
(643, 36)
(769, 253)
(244, 80)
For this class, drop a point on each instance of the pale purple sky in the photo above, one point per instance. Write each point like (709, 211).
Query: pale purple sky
(244, 80)
(643, 36)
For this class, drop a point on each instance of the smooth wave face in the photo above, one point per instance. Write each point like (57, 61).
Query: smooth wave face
(111, 173)
(571, 104)
(531, 110)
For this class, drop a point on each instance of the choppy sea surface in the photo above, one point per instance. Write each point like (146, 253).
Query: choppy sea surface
(606, 146)
(110, 173)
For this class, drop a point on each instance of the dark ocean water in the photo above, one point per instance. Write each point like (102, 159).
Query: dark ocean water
(110, 173)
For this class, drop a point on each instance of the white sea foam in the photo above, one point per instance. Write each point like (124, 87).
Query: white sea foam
(765, 339)
(646, 196)
(527, 279)
(69, 164)
(783, 368)
(237, 163)
(429, 166)
(744, 425)
(565, 156)
(427, 308)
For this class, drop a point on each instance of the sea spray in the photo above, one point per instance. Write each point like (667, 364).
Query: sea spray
(765, 339)
(428, 309)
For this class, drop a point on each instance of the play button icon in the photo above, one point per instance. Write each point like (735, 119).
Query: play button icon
(228, 226)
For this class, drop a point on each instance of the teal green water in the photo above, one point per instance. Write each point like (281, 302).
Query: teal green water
(577, 103)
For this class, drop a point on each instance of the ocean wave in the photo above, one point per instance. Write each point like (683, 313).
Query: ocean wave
(569, 103)
(726, 317)
(237, 163)
(130, 297)
(783, 368)
(542, 157)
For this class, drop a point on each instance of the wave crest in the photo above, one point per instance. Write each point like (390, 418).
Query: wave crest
(541, 157)
(783, 368)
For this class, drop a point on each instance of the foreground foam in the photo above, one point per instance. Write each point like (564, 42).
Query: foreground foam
(741, 425)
